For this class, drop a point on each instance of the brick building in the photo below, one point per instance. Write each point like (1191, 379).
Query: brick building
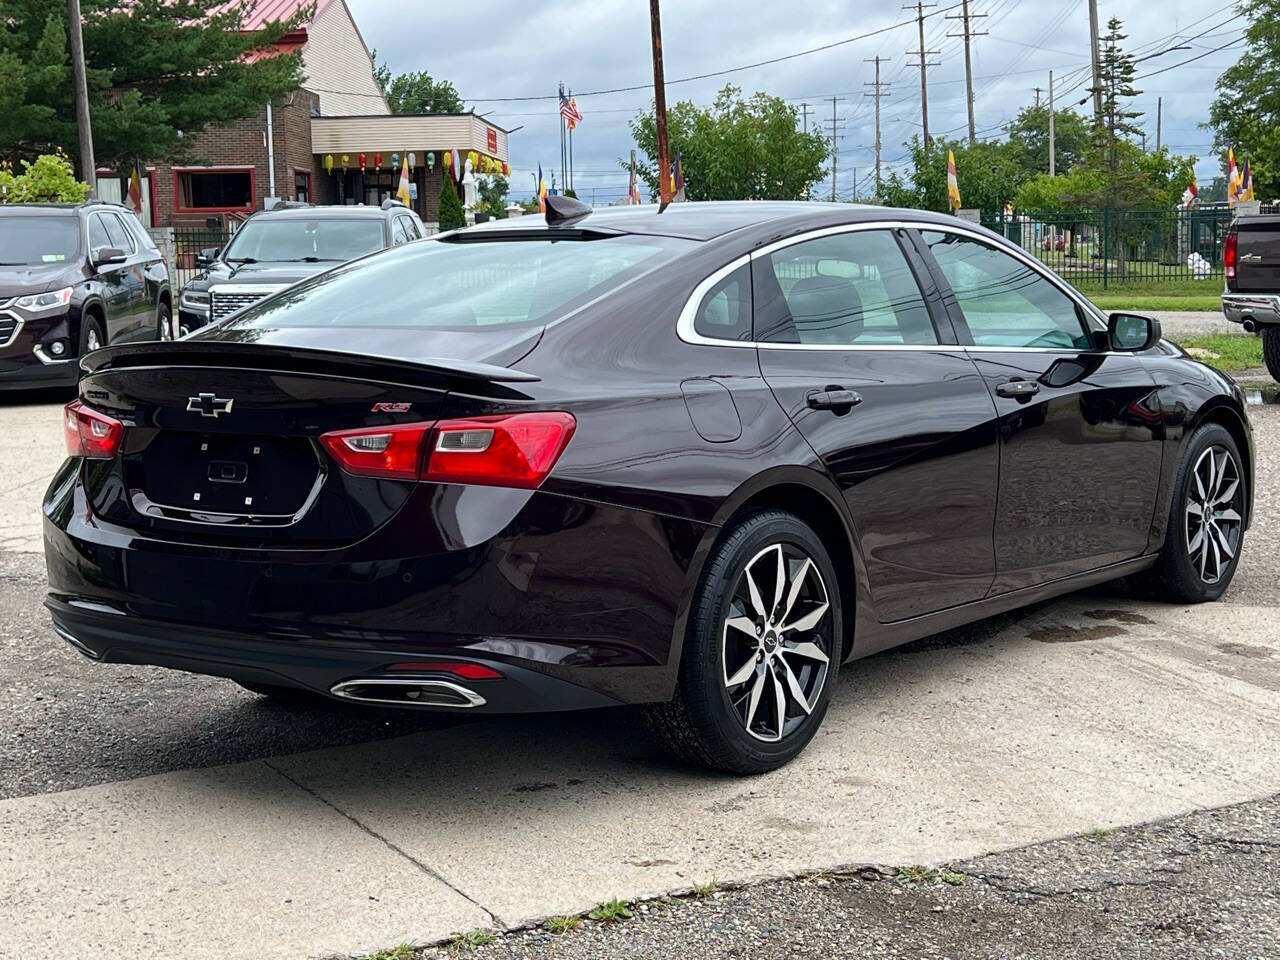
(295, 148)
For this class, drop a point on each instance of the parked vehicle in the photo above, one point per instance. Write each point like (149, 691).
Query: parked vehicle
(74, 277)
(697, 459)
(1251, 262)
(290, 242)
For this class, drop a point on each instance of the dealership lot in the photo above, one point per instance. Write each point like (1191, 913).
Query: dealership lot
(146, 811)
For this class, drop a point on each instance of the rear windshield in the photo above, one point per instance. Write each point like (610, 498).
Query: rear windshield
(38, 238)
(310, 240)
(450, 284)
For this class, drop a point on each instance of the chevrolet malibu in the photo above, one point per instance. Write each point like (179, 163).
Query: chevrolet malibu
(699, 459)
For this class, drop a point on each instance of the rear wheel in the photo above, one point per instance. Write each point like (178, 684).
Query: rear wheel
(1271, 351)
(761, 651)
(1206, 521)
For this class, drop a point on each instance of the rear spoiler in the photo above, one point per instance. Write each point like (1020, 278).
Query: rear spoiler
(179, 353)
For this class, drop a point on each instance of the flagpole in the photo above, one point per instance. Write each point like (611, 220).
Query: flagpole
(570, 180)
(564, 167)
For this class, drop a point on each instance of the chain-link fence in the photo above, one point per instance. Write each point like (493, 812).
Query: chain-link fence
(1116, 247)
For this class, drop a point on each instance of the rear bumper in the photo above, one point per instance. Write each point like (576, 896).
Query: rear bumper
(1260, 309)
(110, 635)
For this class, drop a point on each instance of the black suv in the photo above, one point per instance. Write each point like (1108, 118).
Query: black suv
(74, 277)
(278, 247)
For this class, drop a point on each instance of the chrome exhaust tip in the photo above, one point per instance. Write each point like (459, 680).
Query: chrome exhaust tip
(408, 692)
(1249, 325)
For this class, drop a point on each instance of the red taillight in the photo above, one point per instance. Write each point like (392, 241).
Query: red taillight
(459, 668)
(90, 434)
(394, 452)
(507, 450)
(1229, 255)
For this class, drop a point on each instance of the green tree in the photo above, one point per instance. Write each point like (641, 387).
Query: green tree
(159, 71)
(491, 194)
(1029, 135)
(49, 180)
(417, 91)
(1246, 110)
(737, 149)
(1118, 120)
(451, 215)
(988, 174)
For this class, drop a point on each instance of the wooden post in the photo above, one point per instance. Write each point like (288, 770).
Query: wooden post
(660, 105)
(88, 170)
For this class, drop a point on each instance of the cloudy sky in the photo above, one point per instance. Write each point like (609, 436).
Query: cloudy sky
(504, 55)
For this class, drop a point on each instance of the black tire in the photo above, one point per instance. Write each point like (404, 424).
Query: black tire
(1271, 351)
(91, 333)
(1177, 575)
(706, 722)
(164, 322)
(280, 693)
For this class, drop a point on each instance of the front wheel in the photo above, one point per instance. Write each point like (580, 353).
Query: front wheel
(761, 651)
(164, 323)
(1271, 351)
(1206, 520)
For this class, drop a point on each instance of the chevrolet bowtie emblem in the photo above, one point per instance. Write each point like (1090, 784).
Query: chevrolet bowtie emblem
(209, 405)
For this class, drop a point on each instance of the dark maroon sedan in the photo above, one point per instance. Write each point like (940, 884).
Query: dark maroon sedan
(695, 459)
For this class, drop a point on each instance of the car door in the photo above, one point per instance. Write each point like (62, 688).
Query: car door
(135, 319)
(867, 367)
(1080, 425)
(114, 295)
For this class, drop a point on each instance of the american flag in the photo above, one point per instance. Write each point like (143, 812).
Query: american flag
(569, 110)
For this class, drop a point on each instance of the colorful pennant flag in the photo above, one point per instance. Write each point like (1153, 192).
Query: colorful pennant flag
(135, 188)
(403, 191)
(542, 191)
(633, 188)
(1233, 178)
(1192, 192)
(953, 185)
(1246, 181)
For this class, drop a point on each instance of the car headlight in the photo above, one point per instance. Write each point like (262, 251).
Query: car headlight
(196, 300)
(45, 301)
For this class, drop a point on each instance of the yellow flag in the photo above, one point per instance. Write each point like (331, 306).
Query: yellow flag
(953, 186)
(402, 193)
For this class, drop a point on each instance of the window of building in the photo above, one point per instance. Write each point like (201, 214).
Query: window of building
(214, 189)
(302, 186)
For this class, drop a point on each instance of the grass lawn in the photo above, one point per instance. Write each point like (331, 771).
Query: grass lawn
(1172, 294)
(1226, 351)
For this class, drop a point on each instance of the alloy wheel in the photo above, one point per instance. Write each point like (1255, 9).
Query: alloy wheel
(776, 645)
(1213, 521)
(91, 340)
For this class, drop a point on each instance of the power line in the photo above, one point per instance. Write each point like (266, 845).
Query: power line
(968, 35)
(877, 91)
(925, 63)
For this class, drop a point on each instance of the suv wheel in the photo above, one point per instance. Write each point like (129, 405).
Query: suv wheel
(761, 650)
(91, 337)
(1271, 351)
(164, 323)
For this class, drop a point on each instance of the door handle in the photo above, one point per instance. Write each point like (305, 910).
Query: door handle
(1018, 389)
(833, 398)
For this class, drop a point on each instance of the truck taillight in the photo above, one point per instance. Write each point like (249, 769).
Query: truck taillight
(506, 450)
(1229, 247)
(90, 434)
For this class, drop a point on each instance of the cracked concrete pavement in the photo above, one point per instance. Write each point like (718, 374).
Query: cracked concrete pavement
(147, 811)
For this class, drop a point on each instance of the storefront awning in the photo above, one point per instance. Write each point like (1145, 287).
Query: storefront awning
(404, 132)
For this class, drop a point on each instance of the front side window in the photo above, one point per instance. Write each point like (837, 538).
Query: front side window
(463, 285)
(27, 239)
(305, 239)
(725, 312)
(214, 189)
(1004, 301)
(847, 289)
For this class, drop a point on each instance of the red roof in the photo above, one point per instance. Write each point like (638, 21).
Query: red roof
(268, 11)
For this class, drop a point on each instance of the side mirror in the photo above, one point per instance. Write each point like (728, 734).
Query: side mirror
(207, 255)
(105, 256)
(1132, 332)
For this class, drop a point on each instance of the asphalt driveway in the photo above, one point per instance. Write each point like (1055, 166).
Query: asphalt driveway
(147, 812)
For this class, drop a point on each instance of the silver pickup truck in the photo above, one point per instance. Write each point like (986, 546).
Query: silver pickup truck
(1251, 261)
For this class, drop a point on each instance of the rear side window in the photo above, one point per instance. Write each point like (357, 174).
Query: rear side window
(98, 237)
(489, 283)
(121, 239)
(847, 289)
(725, 312)
(1004, 301)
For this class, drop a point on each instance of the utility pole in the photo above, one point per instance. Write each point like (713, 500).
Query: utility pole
(877, 91)
(968, 36)
(564, 156)
(804, 111)
(1097, 61)
(924, 64)
(836, 124)
(1037, 92)
(88, 170)
(1159, 118)
(660, 105)
(1052, 146)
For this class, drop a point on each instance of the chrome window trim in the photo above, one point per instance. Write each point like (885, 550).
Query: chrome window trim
(685, 322)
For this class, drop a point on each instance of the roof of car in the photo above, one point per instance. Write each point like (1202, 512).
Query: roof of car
(54, 209)
(705, 220)
(298, 212)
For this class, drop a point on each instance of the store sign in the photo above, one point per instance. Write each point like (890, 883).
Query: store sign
(493, 139)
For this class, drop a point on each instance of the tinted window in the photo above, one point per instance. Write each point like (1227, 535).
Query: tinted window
(26, 239)
(397, 231)
(725, 312)
(443, 284)
(411, 228)
(1004, 301)
(299, 238)
(845, 289)
(98, 233)
(120, 237)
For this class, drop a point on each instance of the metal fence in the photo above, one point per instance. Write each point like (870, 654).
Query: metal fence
(1118, 247)
(187, 244)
